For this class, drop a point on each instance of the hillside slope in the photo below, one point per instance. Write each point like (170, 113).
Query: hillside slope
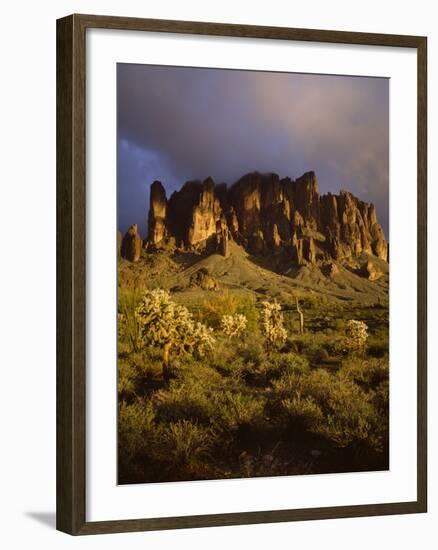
(175, 270)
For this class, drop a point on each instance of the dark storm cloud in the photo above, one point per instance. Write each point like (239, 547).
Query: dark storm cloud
(176, 124)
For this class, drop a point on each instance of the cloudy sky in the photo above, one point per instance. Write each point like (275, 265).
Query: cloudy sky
(176, 124)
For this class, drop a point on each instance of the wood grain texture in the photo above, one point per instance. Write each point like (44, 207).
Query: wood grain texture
(422, 274)
(248, 31)
(248, 518)
(71, 230)
(71, 270)
(64, 271)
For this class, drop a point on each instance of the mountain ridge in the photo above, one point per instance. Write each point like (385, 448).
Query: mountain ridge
(264, 214)
(264, 235)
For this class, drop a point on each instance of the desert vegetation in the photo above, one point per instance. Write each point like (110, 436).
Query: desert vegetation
(253, 333)
(225, 384)
(253, 307)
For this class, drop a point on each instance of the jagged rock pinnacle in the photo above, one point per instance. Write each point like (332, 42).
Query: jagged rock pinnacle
(265, 213)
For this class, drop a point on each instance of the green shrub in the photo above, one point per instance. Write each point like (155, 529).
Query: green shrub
(242, 360)
(380, 399)
(231, 410)
(287, 385)
(135, 373)
(225, 302)
(349, 414)
(232, 366)
(127, 380)
(378, 343)
(184, 442)
(251, 350)
(291, 344)
(281, 364)
(292, 362)
(182, 403)
(314, 301)
(136, 430)
(319, 347)
(301, 413)
(368, 373)
(127, 326)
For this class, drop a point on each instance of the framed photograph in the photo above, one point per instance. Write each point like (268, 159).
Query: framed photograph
(241, 274)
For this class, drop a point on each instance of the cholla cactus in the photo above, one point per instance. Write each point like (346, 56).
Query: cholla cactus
(356, 336)
(171, 327)
(233, 325)
(272, 324)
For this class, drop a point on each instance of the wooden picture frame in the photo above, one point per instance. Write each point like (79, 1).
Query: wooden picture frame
(71, 274)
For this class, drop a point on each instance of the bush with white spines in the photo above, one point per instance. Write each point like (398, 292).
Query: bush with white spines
(271, 322)
(169, 326)
(356, 336)
(233, 325)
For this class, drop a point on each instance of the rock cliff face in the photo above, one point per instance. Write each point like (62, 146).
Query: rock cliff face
(351, 227)
(264, 213)
(157, 214)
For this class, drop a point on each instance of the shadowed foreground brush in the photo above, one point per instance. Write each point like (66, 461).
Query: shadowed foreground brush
(246, 402)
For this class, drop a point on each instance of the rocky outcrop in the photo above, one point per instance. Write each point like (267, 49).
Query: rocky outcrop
(256, 242)
(203, 279)
(330, 269)
(223, 236)
(131, 245)
(157, 214)
(351, 227)
(206, 215)
(305, 198)
(371, 271)
(264, 213)
(194, 213)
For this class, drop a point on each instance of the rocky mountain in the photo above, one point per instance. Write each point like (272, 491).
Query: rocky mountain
(265, 214)
(131, 244)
